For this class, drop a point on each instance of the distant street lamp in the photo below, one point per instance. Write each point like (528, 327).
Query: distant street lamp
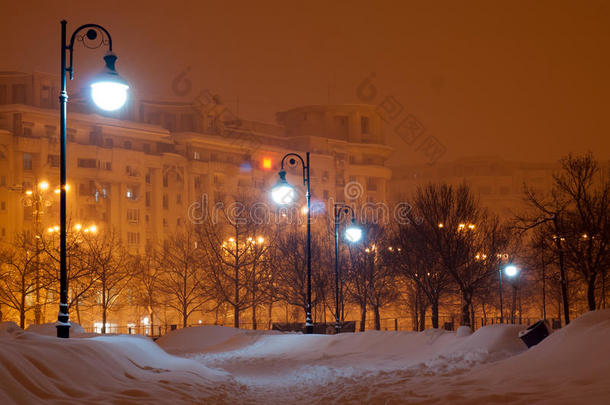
(283, 194)
(109, 92)
(353, 233)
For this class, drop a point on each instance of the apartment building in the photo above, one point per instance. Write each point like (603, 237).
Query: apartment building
(138, 170)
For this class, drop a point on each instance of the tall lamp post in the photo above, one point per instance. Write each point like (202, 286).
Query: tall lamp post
(283, 193)
(511, 271)
(109, 92)
(353, 233)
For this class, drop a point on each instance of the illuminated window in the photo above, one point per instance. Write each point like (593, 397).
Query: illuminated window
(267, 163)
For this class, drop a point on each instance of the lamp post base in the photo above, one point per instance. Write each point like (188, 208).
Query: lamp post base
(63, 331)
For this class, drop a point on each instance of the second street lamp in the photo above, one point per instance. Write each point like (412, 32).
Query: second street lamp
(283, 193)
(109, 92)
(353, 233)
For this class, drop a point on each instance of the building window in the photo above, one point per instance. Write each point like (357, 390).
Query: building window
(133, 215)
(108, 166)
(132, 193)
(178, 198)
(53, 160)
(2, 181)
(165, 180)
(133, 238)
(165, 223)
(146, 148)
(87, 163)
(364, 125)
(197, 181)
(148, 198)
(2, 206)
(108, 142)
(326, 194)
(165, 201)
(27, 161)
(179, 221)
(127, 144)
(196, 156)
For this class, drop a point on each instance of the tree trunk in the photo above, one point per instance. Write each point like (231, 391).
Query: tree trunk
(435, 313)
(591, 293)
(269, 313)
(104, 318)
(77, 306)
(103, 309)
(377, 317)
(363, 316)
(422, 317)
(466, 304)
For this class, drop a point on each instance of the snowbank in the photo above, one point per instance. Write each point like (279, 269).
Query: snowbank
(49, 329)
(196, 339)
(226, 365)
(107, 369)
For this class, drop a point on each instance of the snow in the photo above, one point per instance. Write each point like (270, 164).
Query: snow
(49, 329)
(213, 364)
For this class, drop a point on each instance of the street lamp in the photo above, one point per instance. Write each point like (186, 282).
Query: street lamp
(283, 194)
(353, 233)
(109, 92)
(511, 271)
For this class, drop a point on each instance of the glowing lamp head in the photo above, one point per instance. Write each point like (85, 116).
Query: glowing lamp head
(108, 89)
(353, 233)
(511, 270)
(283, 193)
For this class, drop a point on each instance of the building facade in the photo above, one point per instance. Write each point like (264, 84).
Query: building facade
(139, 170)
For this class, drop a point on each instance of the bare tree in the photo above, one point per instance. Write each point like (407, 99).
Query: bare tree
(19, 281)
(235, 247)
(182, 278)
(289, 266)
(108, 261)
(148, 288)
(415, 258)
(466, 240)
(80, 277)
(575, 216)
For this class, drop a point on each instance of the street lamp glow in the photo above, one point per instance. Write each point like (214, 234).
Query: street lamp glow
(511, 270)
(109, 90)
(283, 193)
(353, 233)
(43, 185)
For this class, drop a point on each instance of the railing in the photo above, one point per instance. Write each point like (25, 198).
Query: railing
(386, 324)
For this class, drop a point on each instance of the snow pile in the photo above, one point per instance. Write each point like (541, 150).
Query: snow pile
(107, 369)
(196, 339)
(49, 329)
(226, 365)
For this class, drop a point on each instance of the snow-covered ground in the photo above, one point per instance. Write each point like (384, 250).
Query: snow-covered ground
(212, 364)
